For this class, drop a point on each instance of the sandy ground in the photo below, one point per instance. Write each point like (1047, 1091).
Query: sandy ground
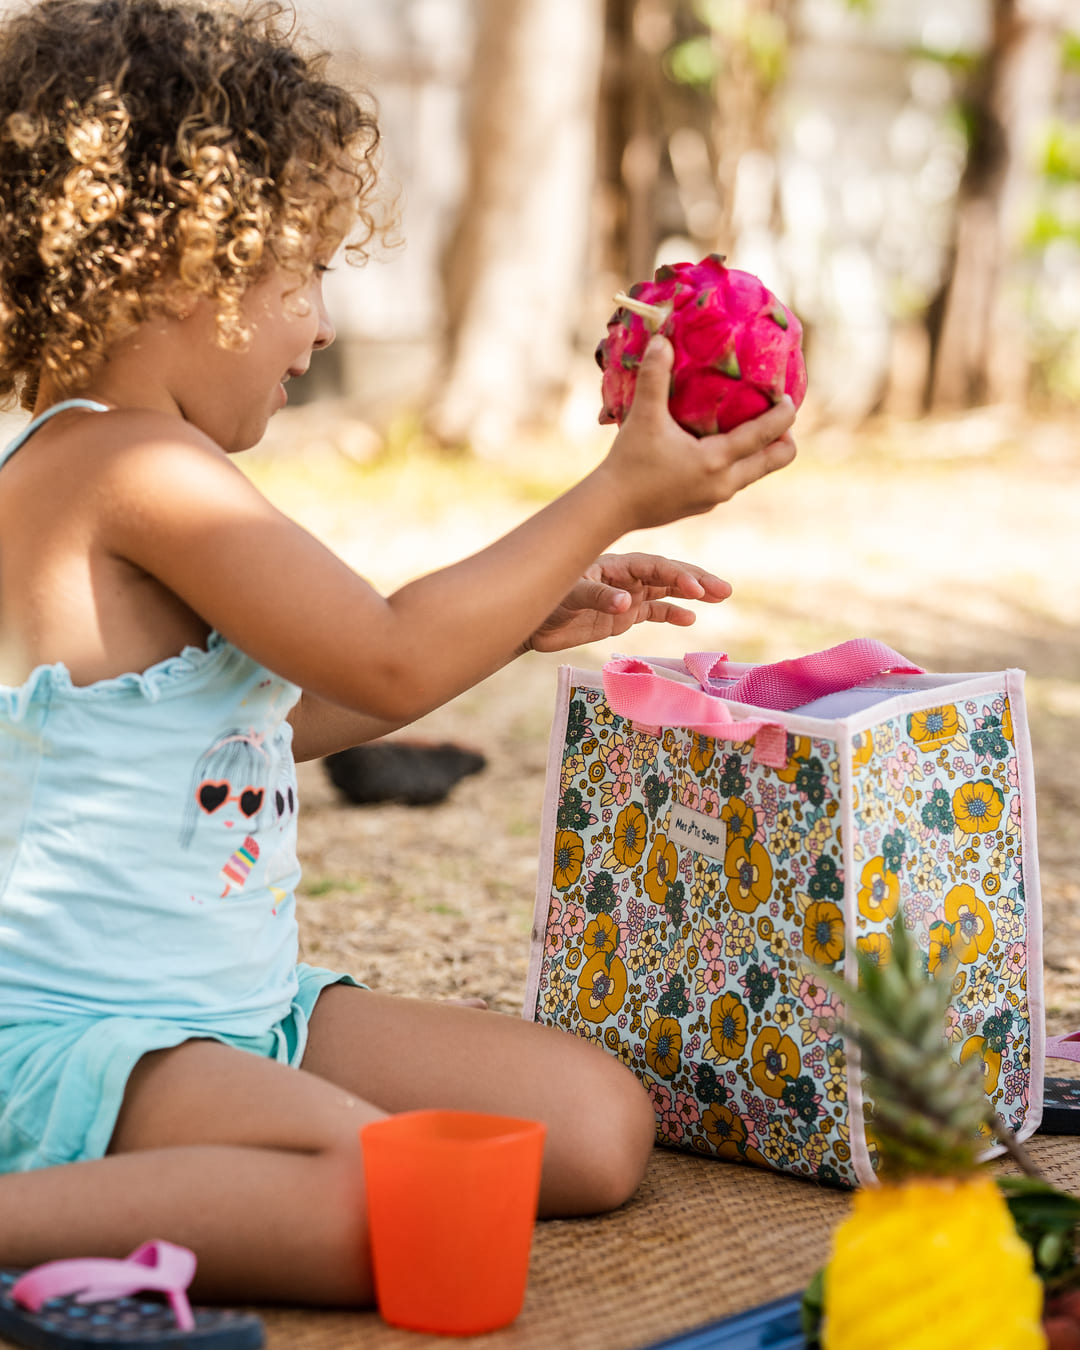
(953, 541)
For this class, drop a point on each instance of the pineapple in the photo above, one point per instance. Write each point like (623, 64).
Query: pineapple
(930, 1259)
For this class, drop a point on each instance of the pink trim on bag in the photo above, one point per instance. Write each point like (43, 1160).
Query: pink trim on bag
(634, 691)
(789, 684)
(546, 862)
(1033, 934)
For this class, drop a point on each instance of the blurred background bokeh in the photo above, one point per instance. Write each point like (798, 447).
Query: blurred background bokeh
(905, 174)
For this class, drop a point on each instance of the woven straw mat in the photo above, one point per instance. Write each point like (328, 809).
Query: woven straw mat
(702, 1239)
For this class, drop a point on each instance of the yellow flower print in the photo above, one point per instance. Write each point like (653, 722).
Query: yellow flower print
(749, 871)
(726, 1131)
(601, 936)
(785, 837)
(569, 858)
(662, 1047)
(877, 947)
(727, 1034)
(934, 728)
(739, 938)
(631, 835)
(646, 954)
(977, 806)
(1006, 721)
(739, 819)
(973, 928)
(836, 1087)
(814, 1149)
(823, 932)
(702, 753)
(773, 1060)
(602, 983)
(862, 744)
(941, 944)
(820, 834)
(573, 766)
(976, 1045)
(879, 891)
(800, 751)
(662, 869)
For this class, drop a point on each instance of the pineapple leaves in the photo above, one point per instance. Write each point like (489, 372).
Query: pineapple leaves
(1046, 1219)
(813, 1308)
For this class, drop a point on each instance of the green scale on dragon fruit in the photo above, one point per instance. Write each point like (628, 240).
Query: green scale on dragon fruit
(738, 350)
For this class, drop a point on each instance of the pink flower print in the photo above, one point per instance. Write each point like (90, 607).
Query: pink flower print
(768, 805)
(617, 755)
(819, 1026)
(572, 921)
(686, 1108)
(1014, 815)
(953, 1030)
(1015, 961)
(711, 945)
(616, 791)
(669, 1128)
(710, 977)
(813, 994)
(661, 1096)
(755, 1116)
(897, 771)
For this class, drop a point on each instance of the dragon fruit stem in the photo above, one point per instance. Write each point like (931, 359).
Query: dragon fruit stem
(655, 316)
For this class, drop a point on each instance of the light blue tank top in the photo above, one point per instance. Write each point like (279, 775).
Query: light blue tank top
(148, 840)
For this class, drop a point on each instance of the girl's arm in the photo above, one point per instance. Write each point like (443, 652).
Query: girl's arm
(270, 587)
(616, 592)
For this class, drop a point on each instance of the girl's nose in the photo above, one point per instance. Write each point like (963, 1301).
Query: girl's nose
(326, 332)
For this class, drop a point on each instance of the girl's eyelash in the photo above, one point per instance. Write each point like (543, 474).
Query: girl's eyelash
(323, 268)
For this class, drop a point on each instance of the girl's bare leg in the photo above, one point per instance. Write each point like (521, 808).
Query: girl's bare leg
(256, 1166)
(402, 1054)
(253, 1165)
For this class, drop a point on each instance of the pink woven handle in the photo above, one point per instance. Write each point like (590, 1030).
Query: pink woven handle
(1063, 1047)
(636, 692)
(789, 684)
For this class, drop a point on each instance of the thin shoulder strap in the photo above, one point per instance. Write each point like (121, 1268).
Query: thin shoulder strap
(38, 422)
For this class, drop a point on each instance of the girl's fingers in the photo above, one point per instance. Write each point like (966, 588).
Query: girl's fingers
(762, 462)
(654, 378)
(751, 437)
(661, 611)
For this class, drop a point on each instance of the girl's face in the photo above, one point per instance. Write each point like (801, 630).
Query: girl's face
(231, 395)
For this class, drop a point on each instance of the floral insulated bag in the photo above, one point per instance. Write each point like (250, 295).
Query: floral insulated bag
(717, 833)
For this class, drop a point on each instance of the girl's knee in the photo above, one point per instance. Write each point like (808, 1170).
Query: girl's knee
(611, 1138)
(336, 1247)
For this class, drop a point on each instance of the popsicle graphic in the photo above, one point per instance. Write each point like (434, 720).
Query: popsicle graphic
(238, 868)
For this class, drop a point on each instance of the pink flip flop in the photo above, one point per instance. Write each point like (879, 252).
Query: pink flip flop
(78, 1304)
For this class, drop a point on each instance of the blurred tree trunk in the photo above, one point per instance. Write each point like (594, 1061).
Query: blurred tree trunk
(977, 353)
(751, 55)
(515, 269)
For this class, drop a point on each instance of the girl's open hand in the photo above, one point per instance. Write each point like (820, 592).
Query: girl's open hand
(620, 590)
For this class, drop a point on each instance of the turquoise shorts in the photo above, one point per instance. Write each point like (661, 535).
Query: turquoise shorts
(62, 1083)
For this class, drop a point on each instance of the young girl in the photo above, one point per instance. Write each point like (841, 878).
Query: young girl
(173, 185)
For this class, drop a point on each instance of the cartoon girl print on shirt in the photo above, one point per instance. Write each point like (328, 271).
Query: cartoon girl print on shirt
(228, 791)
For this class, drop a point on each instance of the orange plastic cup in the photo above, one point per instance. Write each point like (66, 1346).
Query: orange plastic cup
(452, 1199)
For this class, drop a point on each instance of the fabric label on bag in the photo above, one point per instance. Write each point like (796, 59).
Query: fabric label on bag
(697, 831)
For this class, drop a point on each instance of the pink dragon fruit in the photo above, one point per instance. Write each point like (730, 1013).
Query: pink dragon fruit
(737, 348)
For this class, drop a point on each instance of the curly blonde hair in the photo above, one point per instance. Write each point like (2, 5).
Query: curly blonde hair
(154, 150)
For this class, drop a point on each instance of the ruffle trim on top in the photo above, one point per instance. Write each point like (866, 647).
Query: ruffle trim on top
(163, 677)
